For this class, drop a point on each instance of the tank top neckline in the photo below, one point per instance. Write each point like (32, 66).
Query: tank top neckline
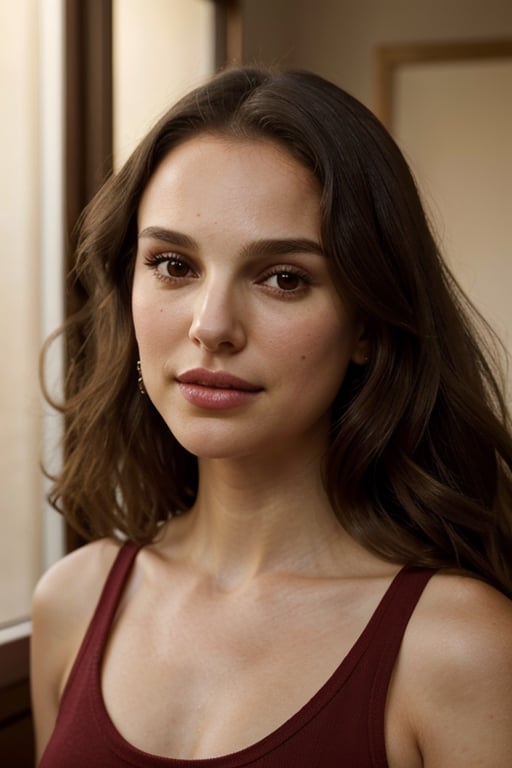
(137, 757)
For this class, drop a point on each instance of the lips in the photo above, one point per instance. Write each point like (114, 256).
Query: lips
(201, 377)
(216, 390)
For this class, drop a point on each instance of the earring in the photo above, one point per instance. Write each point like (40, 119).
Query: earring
(140, 380)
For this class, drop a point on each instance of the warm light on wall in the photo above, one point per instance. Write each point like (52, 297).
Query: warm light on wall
(162, 48)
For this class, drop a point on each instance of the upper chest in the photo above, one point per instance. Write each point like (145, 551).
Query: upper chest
(188, 673)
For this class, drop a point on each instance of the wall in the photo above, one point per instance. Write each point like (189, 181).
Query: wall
(152, 70)
(337, 38)
(20, 486)
(453, 122)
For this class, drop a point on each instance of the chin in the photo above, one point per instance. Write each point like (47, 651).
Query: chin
(216, 451)
(212, 442)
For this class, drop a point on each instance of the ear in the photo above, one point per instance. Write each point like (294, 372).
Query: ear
(361, 349)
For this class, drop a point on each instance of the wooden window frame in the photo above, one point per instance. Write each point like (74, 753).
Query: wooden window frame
(16, 733)
(228, 33)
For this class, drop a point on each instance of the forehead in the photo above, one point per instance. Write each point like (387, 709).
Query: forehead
(212, 174)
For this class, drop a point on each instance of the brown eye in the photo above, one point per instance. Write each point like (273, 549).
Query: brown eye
(174, 267)
(288, 281)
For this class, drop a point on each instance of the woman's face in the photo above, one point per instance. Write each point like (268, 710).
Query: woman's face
(243, 339)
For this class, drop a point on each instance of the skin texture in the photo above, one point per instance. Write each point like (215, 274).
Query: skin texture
(260, 554)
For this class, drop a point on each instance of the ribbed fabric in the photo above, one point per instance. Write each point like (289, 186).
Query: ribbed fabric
(341, 726)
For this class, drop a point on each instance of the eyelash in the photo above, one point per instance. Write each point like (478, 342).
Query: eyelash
(153, 262)
(295, 272)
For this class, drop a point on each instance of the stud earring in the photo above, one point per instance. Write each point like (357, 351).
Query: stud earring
(140, 380)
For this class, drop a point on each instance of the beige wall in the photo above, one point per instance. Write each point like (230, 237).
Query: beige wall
(162, 48)
(337, 38)
(455, 125)
(20, 485)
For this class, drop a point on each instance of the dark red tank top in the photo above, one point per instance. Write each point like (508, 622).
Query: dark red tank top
(342, 726)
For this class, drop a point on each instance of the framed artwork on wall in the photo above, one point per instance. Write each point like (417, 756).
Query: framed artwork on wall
(449, 107)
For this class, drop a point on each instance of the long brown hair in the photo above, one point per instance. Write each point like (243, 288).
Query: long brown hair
(419, 467)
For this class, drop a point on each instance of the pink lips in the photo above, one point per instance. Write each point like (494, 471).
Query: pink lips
(215, 389)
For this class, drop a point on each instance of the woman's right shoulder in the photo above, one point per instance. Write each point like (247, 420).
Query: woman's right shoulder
(74, 582)
(64, 602)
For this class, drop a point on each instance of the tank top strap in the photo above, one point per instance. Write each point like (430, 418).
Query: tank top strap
(389, 624)
(99, 626)
(113, 590)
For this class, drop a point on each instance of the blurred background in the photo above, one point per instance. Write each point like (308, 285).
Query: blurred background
(82, 80)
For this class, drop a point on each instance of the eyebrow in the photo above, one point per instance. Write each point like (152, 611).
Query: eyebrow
(168, 236)
(258, 248)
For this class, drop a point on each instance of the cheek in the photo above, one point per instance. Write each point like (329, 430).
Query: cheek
(321, 340)
(330, 353)
(144, 325)
(316, 352)
(141, 310)
(148, 319)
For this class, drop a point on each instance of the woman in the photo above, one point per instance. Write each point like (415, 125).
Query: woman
(276, 398)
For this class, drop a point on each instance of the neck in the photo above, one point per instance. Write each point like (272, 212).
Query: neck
(253, 518)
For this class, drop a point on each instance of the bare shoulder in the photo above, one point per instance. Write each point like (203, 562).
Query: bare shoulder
(455, 674)
(461, 620)
(71, 587)
(63, 605)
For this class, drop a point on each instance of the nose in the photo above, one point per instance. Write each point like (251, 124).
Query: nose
(217, 324)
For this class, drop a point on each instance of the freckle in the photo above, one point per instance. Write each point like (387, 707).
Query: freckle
(303, 357)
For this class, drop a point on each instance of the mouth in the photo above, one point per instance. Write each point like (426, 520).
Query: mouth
(201, 377)
(216, 390)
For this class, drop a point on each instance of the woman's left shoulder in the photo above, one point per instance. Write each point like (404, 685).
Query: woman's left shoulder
(456, 673)
(461, 626)
(464, 611)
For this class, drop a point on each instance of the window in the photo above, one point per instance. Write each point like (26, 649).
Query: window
(30, 289)
(161, 49)
(30, 305)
